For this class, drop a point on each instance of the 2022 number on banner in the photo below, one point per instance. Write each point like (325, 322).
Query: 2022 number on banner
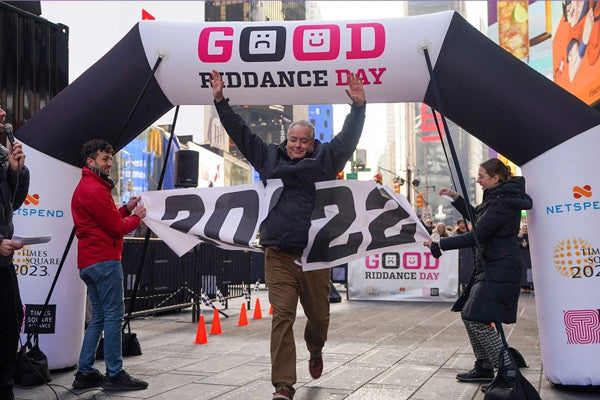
(356, 219)
(225, 217)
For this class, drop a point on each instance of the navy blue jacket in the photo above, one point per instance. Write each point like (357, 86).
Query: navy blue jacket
(497, 221)
(288, 222)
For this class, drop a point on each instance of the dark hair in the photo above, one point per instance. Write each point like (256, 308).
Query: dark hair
(495, 167)
(93, 147)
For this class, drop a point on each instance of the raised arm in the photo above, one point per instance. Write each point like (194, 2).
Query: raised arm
(251, 146)
(345, 142)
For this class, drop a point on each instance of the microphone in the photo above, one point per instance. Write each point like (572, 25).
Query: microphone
(8, 129)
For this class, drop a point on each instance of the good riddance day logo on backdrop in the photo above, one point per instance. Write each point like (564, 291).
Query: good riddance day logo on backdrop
(410, 265)
(310, 42)
(582, 202)
(576, 258)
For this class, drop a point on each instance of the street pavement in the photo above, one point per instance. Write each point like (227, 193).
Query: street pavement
(375, 351)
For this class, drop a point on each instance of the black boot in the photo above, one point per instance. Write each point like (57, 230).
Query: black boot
(482, 372)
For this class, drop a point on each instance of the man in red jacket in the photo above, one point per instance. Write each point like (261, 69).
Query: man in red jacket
(100, 228)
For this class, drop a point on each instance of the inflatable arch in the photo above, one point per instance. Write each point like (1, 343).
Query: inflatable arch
(551, 134)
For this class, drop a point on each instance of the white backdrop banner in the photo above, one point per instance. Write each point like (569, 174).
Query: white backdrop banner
(565, 254)
(47, 210)
(351, 219)
(406, 273)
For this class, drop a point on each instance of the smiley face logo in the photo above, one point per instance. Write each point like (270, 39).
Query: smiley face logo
(411, 260)
(262, 43)
(316, 41)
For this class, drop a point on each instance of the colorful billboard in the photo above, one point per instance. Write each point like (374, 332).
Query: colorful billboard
(558, 39)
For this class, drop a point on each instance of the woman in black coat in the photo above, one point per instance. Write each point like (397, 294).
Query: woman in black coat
(496, 226)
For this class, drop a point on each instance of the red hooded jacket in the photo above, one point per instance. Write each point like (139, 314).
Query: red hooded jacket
(99, 225)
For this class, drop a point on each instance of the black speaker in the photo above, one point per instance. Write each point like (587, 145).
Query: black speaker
(186, 168)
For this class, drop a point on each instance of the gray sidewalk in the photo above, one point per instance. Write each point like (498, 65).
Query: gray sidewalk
(376, 350)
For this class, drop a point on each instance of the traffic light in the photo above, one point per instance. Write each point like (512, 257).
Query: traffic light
(396, 186)
(340, 175)
(419, 199)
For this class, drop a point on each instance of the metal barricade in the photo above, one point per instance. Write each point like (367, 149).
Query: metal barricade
(170, 283)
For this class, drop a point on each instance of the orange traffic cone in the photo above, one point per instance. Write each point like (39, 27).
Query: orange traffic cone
(257, 311)
(243, 317)
(201, 332)
(271, 310)
(215, 328)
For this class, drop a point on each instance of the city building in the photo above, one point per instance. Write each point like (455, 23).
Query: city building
(269, 122)
(415, 153)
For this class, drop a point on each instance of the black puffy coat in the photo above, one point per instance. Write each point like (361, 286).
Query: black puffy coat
(496, 225)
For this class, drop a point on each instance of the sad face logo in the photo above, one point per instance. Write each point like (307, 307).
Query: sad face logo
(262, 43)
(391, 260)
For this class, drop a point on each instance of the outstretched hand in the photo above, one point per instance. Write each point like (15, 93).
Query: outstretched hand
(355, 90)
(217, 85)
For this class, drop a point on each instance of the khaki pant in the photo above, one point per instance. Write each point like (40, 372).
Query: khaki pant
(286, 282)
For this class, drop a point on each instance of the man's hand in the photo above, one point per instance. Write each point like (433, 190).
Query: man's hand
(355, 91)
(16, 157)
(7, 247)
(217, 84)
(140, 211)
(133, 202)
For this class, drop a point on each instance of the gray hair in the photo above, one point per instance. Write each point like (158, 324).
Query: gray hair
(305, 123)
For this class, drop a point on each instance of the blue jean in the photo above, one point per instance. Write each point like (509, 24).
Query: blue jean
(104, 282)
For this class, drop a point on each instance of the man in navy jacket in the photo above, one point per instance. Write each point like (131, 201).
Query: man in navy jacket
(299, 162)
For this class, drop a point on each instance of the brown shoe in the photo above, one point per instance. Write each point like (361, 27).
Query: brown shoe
(315, 366)
(283, 394)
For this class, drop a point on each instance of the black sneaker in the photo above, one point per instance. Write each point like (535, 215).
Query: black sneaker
(483, 372)
(88, 380)
(122, 382)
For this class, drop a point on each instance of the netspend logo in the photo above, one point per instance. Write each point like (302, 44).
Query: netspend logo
(579, 191)
(583, 202)
(570, 255)
(32, 199)
(33, 207)
(582, 326)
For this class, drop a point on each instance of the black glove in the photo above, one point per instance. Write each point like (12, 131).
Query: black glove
(435, 249)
